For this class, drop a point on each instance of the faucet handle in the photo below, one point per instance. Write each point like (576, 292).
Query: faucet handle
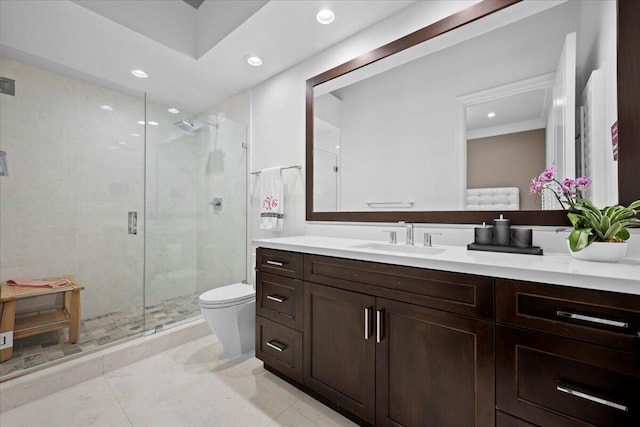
(393, 236)
(427, 238)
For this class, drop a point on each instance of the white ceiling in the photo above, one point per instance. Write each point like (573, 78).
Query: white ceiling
(194, 58)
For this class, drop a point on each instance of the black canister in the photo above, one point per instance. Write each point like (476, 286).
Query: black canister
(483, 235)
(521, 237)
(501, 231)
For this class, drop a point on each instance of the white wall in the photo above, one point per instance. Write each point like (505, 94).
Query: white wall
(278, 113)
(278, 130)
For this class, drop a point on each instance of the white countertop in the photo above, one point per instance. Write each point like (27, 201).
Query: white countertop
(559, 269)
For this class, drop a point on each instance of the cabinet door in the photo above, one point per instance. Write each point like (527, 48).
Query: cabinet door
(433, 368)
(339, 347)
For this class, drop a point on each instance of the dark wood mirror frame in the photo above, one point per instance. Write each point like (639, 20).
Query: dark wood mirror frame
(628, 120)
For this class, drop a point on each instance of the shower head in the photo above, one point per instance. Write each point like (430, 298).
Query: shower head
(188, 125)
(193, 125)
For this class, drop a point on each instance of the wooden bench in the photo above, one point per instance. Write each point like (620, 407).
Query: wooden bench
(67, 316)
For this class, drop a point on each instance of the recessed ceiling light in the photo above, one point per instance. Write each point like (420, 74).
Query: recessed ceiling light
(139, 73)
(253, 60)
(140, 122)
(337, 147)
(491, 114)
(107, 107)
(173, 110)
(153, 123)
(325, 16)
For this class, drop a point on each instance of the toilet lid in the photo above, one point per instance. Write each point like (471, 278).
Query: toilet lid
(238, 292)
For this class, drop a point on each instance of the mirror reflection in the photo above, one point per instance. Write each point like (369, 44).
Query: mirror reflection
(470, 117)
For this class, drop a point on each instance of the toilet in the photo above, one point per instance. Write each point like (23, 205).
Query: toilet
(230, 313)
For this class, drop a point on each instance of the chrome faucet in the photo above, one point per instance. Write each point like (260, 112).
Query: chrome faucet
(409, 232)
(427, 238)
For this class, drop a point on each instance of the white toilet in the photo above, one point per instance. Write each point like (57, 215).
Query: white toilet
(230, 313)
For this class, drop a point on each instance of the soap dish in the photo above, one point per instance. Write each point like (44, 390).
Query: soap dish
(532, 250)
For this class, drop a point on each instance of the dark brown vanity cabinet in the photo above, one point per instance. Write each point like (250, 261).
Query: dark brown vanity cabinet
(393, 345)
(404, 346)
(566, 356)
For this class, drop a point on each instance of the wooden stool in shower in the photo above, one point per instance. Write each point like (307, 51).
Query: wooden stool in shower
(67, 316)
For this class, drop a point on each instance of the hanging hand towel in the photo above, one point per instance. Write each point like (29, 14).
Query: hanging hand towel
(271, 203)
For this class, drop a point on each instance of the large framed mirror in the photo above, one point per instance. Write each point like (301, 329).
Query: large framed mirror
(450, 123)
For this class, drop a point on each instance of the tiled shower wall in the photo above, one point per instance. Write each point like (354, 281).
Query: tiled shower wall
(76, 170)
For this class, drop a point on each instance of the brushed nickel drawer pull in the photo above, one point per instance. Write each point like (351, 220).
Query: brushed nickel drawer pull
(591, 398)
(276, 345)
(616, 323)
(276, 263)
(276, 298)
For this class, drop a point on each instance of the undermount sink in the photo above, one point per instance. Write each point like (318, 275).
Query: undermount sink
(407, 249)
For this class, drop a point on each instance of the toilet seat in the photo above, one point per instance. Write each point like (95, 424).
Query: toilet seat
(228, 295)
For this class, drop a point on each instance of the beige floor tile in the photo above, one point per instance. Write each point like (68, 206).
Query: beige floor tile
(91, 403)
(239, 401)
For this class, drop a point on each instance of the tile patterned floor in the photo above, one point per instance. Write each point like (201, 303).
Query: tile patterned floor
(191, 385)
(40, 349)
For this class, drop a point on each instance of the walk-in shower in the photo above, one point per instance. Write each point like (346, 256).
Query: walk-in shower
(83, 157)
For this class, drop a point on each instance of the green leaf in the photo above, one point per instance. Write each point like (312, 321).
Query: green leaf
(579, 239)
(635, 205)
(623, 234)
(613, 231)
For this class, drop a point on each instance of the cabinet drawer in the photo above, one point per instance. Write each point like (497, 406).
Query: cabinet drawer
(605, 318)
(283, 263)
(554, 381)
(280, 299)
(454, 292)
(279, 347)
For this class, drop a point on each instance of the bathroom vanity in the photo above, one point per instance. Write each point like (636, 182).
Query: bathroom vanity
(397, 337)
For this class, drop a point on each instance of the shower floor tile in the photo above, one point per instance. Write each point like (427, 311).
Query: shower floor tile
(52, 346)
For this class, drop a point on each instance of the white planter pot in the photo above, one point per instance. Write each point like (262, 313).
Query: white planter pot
(601, 251)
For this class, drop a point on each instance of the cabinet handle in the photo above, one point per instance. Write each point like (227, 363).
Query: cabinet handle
(379, 314)
(276, 263)
(562, 313)
(276, 298)
(591, 398)
(276, 345)
(367, 332)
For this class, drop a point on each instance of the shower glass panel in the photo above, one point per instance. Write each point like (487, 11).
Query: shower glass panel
(196, 179)
(75, 157)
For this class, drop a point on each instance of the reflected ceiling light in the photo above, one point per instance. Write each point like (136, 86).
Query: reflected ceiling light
(253, 60)
(491, 114)
(107, 107)
(337, 147)
(135, 134)
(140, 122)
(139, 73)
(122, 143)
(173, 110)
(153, 123)
(325, 16)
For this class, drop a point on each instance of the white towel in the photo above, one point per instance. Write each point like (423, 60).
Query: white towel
(271, 203)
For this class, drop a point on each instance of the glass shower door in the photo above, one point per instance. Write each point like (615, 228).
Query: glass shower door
(195, 212)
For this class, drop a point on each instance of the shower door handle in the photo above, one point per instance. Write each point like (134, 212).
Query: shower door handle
(133, 222)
